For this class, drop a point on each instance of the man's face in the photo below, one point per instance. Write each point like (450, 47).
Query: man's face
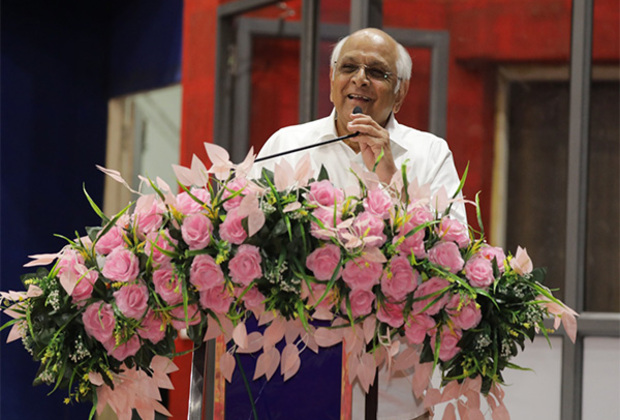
(357, 81)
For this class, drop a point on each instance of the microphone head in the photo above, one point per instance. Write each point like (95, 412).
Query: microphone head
(357, 110)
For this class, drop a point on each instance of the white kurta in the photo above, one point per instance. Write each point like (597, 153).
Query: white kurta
(430, 161)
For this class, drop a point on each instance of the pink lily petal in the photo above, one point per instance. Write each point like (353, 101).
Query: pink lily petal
(374, 255)
(440, 200)
(290, 361)
(418, 192)
(433, 397)
(227, 365)
(200, 174)
(267, 363)
(422, 378)
(309, 341)
(449, 413)
(274, 333)
(95, 378)
(369, 326)
(283, 175)
(323, 313)
(220, 159)
(184, 175)
(303, 171)
(266, 318)
(326, 337)
(240, 335)
(34, 291)
(353, 363)
(16, 332)
(521, 263)
(116, 175)
(41, 259)
(366, 371)
(370, 179)
(244, 167)
(406, 359)
(292, 207)
(292, 330)
(255, 343)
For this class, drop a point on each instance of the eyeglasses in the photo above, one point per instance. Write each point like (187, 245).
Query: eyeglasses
(374, 73)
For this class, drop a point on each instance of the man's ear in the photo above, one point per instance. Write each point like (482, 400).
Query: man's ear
(400, 95)
(331, 84)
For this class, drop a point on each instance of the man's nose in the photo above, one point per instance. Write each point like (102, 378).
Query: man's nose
(360, 75)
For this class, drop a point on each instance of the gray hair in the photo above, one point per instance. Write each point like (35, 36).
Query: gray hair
(403, 61)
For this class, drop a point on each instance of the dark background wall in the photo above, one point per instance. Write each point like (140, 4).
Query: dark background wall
(60, 64)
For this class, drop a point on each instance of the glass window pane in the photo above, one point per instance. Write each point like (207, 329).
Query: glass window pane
(601, 378)
(538, 138)
(602, 288)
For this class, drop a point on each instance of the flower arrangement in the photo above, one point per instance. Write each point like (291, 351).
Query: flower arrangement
(396, 278)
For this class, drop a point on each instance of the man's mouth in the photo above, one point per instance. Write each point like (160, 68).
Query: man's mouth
(358, 97)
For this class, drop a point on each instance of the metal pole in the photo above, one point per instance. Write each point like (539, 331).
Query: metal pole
(309, 61)
(576, 200)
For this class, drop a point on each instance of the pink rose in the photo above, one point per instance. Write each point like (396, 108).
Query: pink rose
(232, 230)
(252, 298)
(148, 217)
(121, 265)
(205, 273)
(428, 292)
(419, 215)
(446, 255)
(187, 205)
(196, 231)
(465, 314)
(217, 299)
(122, 351)
(245, 265)
(113, 238)
(361, 274)
(167, 285)
(152, 328)
(159, 241)
(370, 228)
(378, 203)
(316, 293)
(448, 342)
(453, 230)
(179, 321)
(479, 272)
(412, 244)
(325, 194)
(399, 280)
(326, 216)
(418, 326)
(99, 321)
(391, 314)
(361, 302)
(237, 184)
(84, 287)
(324, 261)
(490, 252)
(132, 300)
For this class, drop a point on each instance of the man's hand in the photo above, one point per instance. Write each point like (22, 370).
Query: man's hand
(372, 140)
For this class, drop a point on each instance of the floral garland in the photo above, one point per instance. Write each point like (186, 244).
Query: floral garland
(400, 281)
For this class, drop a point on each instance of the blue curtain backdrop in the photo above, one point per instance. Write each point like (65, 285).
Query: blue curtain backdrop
(60, 64)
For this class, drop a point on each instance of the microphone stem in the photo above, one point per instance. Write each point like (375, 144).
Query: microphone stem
(299, 149)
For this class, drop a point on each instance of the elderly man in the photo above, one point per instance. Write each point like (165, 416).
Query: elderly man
(370, 70)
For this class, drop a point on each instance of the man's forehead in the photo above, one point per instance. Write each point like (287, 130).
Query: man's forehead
(370, 47)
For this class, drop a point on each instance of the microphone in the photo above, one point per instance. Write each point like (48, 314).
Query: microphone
(356, 110)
